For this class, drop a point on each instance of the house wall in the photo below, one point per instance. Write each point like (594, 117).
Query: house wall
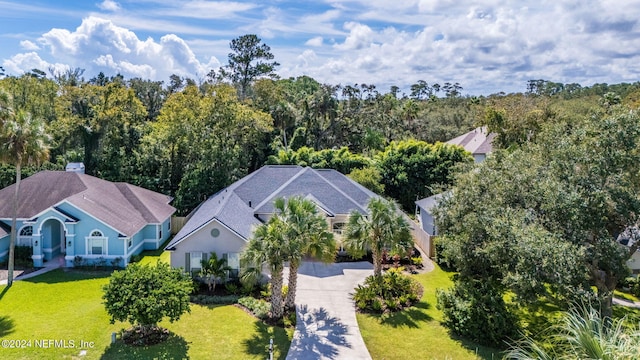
(4, 248)
(202, 240)
(427, 222)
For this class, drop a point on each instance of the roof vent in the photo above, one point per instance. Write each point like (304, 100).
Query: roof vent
(76, 167)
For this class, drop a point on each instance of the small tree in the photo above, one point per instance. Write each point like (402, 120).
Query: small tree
(384, 227)
(144, 295)
(214, 269)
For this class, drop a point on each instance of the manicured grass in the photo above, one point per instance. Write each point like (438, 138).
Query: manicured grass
(625, 296)
(417, 333)
(151, 257)
(68, 306)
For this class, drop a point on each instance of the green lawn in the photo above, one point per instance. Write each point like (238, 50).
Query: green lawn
(417, 333)
(67, 306)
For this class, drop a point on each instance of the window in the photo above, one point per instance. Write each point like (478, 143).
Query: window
(25, 236)
(96, 233)
(196, 261)
(129, 243)
(169, 225)
(338, 228)
(160, 234)
(96, 243)
(96, 247)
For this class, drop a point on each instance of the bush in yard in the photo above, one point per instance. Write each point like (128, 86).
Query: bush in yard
(23, 256)
(475, 311)
(389, 292)
(143, 296)
(258, 307)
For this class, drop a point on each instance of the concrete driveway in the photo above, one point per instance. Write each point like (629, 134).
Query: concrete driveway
(326, 326)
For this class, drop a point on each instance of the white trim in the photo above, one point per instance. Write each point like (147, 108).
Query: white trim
(105, 243)
(2, 254)
(70, 257)
(136, 247)
(95, 218)
(52, 208)
(37, 257)
(186, 236)
(100, 256)
(51, 250)
(47, 219)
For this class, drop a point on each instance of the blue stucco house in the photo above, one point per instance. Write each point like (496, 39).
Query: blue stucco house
(74, 216)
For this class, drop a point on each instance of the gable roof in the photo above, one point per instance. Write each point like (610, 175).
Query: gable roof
(238, 205)
(4, 229)
(124, 207)
(429, 203)
(476, 141)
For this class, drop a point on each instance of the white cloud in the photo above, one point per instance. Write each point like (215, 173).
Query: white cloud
(359, 37)
(29, 45)
(99, 45)
(109, 5)
(316, 41)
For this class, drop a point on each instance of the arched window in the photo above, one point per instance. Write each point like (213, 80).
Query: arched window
(96, 243)
(24, 239)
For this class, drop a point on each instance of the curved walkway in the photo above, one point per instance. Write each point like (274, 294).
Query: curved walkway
(326, 325)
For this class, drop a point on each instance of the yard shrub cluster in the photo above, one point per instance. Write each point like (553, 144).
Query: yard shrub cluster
(630, 285)
(259, 308)
(23, 256)
(473, 310)
(389, 292)
(203, 299)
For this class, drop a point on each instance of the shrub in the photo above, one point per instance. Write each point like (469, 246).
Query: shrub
(258, 307)
(23, 256)
(232, 288)
(214, 299)
(475, 311)
(391, 291)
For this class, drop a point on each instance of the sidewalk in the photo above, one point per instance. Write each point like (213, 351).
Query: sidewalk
(48, 266)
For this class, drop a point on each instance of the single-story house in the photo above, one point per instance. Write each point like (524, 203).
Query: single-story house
(424, 214)
(84, 218)
(477, 142)
(225, 222)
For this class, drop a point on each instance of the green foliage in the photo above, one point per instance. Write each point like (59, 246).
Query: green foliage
(383, 229)
(213, 269)
(214, 299)
(368, 177)
(23, 256)
(144, 295)
(338, 159)
(412, 169)
(474, 310)
(389, 292)
(259, 308)
(248, 61)
(583, 334)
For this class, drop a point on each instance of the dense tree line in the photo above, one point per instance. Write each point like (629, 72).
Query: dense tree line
(189, 138)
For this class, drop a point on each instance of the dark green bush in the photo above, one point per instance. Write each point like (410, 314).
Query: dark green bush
(23, 256)
(215, 299)
(475, 311)
(390, 292)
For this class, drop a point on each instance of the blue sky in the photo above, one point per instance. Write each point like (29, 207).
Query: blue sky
(486, 46)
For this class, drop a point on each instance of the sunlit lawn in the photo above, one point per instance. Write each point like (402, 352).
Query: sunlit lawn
(417, 333)
(67, 306)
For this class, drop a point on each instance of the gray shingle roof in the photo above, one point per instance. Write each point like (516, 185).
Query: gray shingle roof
(429, 203)
(476, 141)
(329, 189)
(124, 207)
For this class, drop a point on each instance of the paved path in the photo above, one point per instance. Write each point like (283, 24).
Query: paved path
(48, 266)
(326, 326)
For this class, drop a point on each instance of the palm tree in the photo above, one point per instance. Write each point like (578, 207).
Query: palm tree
(583, 334)
(22, 141)
(383, 228)
(306, 234)
(213, 269)
(267, 247)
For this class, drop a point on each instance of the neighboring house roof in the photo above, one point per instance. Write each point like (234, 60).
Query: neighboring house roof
(429, 203)
(124, 207)
(476, 141)
(4, 229)
(238, 205)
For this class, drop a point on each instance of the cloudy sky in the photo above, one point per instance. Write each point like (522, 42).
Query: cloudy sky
(486, 46)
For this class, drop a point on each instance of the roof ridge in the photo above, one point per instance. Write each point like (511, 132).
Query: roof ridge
(339, 190)
(137, 203)
(284, 185)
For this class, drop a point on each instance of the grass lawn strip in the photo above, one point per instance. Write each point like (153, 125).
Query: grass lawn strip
(417, 333)
(68, 306)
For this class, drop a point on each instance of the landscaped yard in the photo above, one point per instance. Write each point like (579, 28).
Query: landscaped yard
(417, 333)
(67, 306)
